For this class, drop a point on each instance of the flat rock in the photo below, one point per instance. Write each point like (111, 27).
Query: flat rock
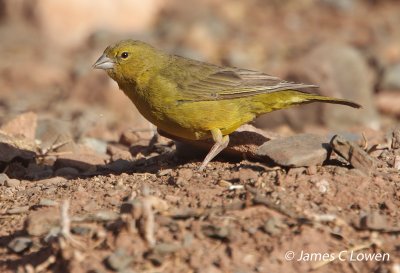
(13, 147)
(353, 154)
(296, 151)
(11, 182)
(84, 160)
(24, 125)
(119, 260)
(20, 244)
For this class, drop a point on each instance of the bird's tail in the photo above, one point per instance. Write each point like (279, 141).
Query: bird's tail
(269, 102)
(318, 98)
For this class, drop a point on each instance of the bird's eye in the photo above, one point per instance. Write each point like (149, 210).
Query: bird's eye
(124, 55)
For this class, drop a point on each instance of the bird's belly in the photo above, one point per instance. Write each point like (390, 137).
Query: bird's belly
(194, 120)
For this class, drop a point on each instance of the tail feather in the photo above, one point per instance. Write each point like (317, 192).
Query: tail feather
(317, 98)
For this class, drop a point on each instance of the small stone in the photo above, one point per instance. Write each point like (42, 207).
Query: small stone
(55, 135)
(341, 5)
(323, 186)
(353, 154)
(41, 221)
(221, 233)
(273, 226)
(3, 178)
(47, 203)
(396, 139)
(18, 210)
(296, 151)
(102, 216)
(165, 248)
(20, 244)
(396, 163)
(66, 171)
(164, 172)
(118, 152)
(12, 147)
(391, 78)
(246, 175)
(52, 181)
(388, 103)
(84, 160)
(375, 221)
(129, 138)
(80, 230)
(224, 183)
(23, 125)
(12, 183)
(185, 174)
(95, 144)
(119, 260)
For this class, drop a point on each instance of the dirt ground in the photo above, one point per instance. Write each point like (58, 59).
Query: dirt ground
(87, 187)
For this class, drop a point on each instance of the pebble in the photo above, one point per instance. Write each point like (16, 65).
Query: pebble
(296, 151)
(221, 233)
(81, 230)
(323, 186)
(166, 248)
(84, 160)
(20, 244)
(129, 138)
(391, 78)
(388, 103)
(52, 181)
(41, 221)
(273, 226)
(185, 174)
(246, 175)
(396, 138)
(22, 125)
(95, 144)
(118, 152)
(3, 178)
(224, 183)
(164, 172)
(119, 260)
(353, 154)
(18, 210)
(12, 147)
(47, 202)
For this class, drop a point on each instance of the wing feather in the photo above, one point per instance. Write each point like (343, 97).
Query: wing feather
(201, 81)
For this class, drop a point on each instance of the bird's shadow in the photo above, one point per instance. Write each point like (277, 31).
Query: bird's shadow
(156, 157)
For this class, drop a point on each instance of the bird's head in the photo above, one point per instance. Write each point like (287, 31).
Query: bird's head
(126, 60)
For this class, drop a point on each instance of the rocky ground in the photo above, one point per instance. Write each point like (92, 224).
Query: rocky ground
(88, 186)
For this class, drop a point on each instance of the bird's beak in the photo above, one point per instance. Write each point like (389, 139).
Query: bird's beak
(104, 63)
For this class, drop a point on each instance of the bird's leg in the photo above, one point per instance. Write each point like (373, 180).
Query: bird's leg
(221, 142)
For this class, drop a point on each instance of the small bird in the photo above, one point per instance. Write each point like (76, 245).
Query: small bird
(196, 100)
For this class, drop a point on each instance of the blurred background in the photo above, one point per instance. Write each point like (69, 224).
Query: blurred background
(350, 48)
